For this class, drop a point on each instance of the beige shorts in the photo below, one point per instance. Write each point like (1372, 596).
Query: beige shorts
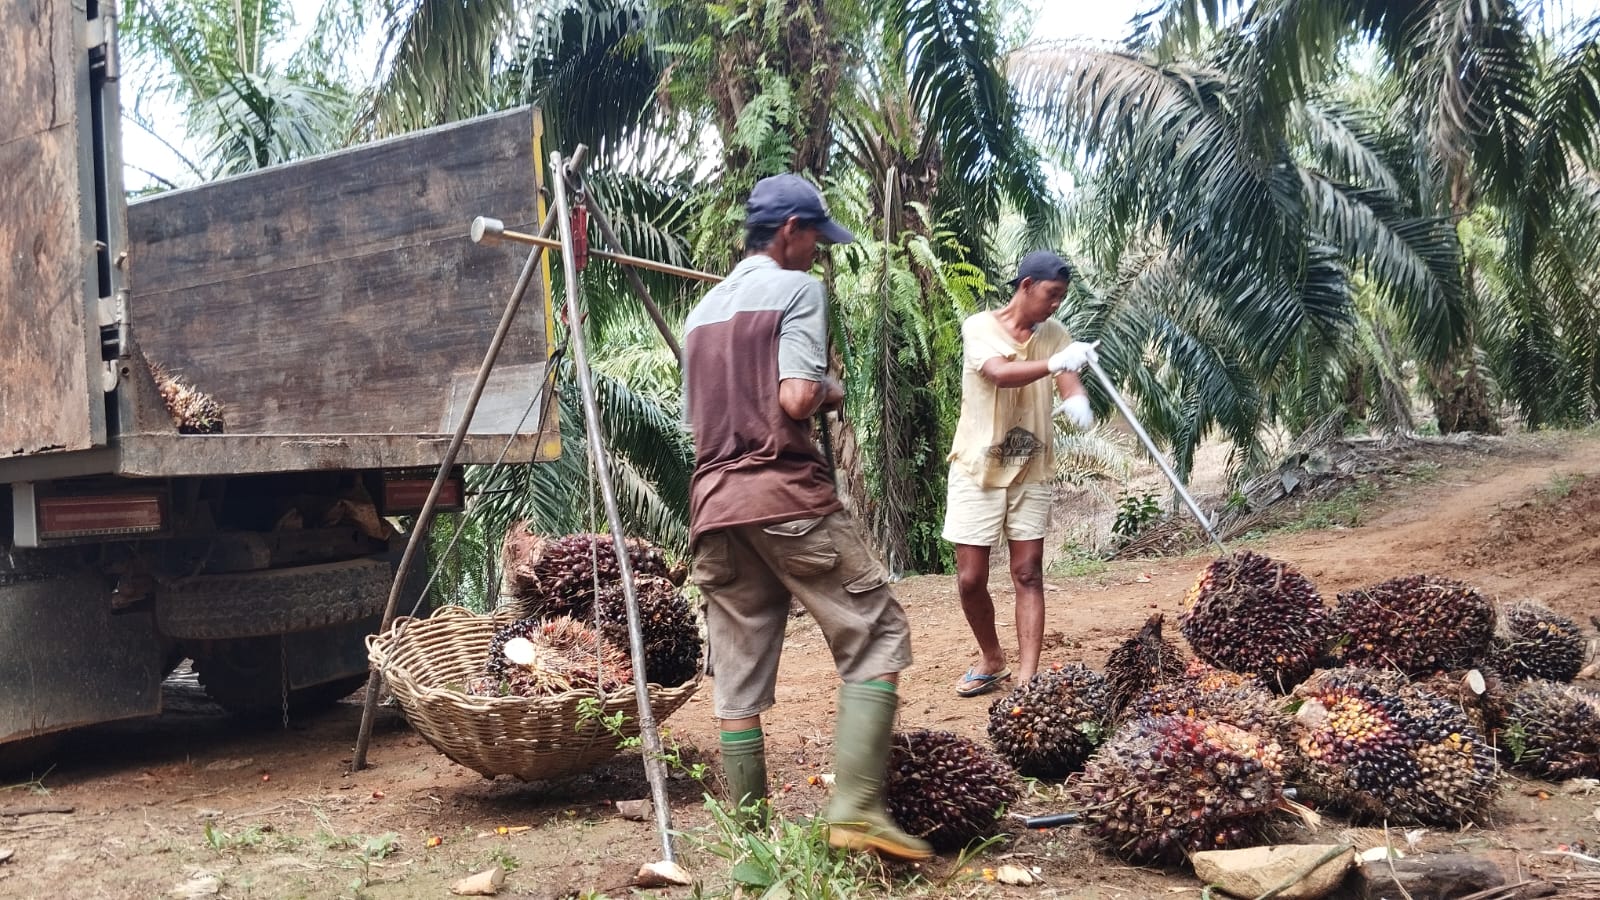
(981, 516)
(748, 573)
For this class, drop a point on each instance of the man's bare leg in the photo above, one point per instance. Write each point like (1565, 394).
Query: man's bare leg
(972, 583)
(1027, 577)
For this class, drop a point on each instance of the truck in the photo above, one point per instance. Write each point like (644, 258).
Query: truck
(219, 405)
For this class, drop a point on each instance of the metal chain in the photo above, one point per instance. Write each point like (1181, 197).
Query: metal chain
(283, 668)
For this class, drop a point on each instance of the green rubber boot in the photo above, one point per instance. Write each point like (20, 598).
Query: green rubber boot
(856, 817)
(744, 764)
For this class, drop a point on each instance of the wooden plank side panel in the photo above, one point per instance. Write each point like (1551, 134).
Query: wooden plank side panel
(45, 386)
(340, 295)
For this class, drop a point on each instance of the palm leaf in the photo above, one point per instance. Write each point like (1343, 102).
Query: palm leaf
(440, 62)
(950, 49)
(1416, 261)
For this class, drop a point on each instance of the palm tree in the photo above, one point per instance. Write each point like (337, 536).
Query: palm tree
(1222, 232)
(248, 101)
(1492, 124)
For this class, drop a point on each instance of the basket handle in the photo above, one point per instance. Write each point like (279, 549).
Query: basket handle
(453, 612)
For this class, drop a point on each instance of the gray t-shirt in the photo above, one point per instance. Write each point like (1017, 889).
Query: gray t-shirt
(753, 464)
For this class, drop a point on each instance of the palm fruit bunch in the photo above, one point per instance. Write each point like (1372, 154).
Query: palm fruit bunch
(1166, 786)
(1253, 614)
(1048, 725)
(557, 576)
(1553, 730)
(541, 657)
(1534, 641)
(1417, 624)
(193, 411)
(1207, 677)
(667, 624)
(1480, 694)
(1244, 704)
(1142, 662)
(1376, 745)
(945, 788)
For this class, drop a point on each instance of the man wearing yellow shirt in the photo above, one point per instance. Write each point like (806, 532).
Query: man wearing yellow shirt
(1003, 457)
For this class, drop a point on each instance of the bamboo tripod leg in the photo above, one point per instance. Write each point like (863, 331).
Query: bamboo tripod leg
(654, 766)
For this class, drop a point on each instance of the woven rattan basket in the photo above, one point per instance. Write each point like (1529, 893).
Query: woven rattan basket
(427, 663)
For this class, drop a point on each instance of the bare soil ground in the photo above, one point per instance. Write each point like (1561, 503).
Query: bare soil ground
(195, 803)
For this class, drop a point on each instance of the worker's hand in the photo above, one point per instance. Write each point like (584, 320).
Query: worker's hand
(832, 394)
(1076, 409)
(1076, 355)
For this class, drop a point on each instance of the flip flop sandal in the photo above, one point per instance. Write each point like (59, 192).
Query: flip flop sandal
(976, 683)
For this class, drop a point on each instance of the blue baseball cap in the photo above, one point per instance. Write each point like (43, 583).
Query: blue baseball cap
(1042, 265)
(775, 198)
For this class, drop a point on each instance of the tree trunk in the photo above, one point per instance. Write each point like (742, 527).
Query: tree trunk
(1461, 397)
(1459, 390)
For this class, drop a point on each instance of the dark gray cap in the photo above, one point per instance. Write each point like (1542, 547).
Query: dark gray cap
(775, 198)
(1042, 265)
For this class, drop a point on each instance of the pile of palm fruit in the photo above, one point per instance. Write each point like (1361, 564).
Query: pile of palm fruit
(193, 411)
(1048, 725)
(573, 615)
(946, 789)
(1401, 703)
(1252, 614)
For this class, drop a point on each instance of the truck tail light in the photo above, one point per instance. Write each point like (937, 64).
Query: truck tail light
(87, 516)
(405, 496)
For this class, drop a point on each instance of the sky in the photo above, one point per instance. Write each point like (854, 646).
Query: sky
(1095, 20)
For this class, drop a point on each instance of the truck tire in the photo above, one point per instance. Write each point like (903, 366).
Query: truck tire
(273, 601)
(247, 680)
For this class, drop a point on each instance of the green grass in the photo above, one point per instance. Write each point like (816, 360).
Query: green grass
(1346, 509)
(1078, 561)
(789, 859)
(1561, 486)
(1423, 471)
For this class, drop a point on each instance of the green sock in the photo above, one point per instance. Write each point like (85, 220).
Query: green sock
(748, 734)
(881, 685)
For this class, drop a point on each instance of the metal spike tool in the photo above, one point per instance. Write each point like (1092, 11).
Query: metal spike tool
(1166, 469)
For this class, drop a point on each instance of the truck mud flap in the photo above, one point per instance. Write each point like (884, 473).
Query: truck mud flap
(67, 660)
(273, 601)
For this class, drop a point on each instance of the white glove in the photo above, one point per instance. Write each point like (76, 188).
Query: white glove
(1076, 409)
(1076, 355)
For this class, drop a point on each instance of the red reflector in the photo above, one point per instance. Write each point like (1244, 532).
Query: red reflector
(406, 495)
(61, 517)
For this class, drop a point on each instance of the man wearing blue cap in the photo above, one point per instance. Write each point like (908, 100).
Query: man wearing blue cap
(765, 522)
(1003, 457)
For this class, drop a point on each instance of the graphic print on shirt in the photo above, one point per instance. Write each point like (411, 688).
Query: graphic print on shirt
(1018, 447)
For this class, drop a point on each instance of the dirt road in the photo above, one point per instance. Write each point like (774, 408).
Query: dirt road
(197, 804)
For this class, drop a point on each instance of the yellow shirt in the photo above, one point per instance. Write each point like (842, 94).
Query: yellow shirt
(1005, 435)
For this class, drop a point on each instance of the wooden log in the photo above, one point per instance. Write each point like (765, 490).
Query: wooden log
(15, 811)
(1435, 877)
